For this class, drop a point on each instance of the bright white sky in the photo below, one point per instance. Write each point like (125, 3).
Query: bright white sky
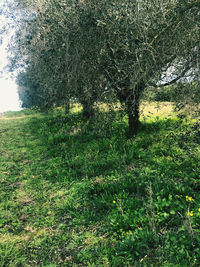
(8, 89)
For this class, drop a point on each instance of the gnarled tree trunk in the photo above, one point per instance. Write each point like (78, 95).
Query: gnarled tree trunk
(66, 107)
(88, 110)
(132, 109)
(131, 98)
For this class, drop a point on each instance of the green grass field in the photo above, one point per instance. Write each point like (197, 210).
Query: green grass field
(81, 194)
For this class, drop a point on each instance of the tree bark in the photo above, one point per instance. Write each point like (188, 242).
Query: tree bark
(88, 110)
(131, 98)
(133, 117)
(66, 107)
(133, 109)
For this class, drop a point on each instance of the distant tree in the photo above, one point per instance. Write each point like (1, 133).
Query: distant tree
(42, 43)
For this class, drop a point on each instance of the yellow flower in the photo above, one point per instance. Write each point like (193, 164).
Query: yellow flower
(199, 209)
(114, 201)
(188, 198)
(190, 213)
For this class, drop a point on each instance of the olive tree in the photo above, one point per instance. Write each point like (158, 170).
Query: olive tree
(47, 42)
(121, 46)
(146, 41)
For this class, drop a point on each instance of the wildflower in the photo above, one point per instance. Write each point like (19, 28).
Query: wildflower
(199, 209)
(190, 213)
(186, 197)
(114, 201)
(190, 198)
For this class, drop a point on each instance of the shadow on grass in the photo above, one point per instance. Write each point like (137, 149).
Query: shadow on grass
(95, 182)
(75, 151)
(80, 149)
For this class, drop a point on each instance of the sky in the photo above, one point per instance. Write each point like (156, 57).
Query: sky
(9, 100)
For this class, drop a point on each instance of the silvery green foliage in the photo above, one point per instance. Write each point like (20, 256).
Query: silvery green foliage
(102, 50)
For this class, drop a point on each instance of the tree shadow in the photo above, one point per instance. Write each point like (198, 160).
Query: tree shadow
(92, 148)
(90, 172)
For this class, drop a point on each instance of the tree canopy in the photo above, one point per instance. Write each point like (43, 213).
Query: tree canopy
(83, 48)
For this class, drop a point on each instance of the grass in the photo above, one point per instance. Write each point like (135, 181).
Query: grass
(81, 194)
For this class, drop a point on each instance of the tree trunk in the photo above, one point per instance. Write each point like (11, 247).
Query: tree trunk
(131, 98)
(88, 110)
(66, 107)
(132, 103)
(133, 117)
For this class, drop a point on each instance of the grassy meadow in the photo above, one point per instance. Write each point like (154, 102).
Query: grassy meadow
(75, 193)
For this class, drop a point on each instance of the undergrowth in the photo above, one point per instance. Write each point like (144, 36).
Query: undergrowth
(76, 193)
